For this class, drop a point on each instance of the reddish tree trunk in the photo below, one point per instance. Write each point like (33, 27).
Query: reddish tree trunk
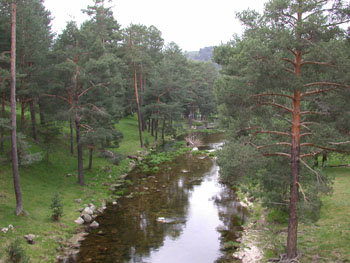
(294, 186)
(16, 180)
(138, 109)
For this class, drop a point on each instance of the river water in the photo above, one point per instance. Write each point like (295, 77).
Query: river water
(180, 215)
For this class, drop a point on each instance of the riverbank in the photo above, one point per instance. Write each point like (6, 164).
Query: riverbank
(40, 181)
(324, 241)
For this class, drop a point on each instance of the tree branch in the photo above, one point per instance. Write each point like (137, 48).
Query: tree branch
(273, 94)
(306, 134)
(289, 61)
(59, 97)
(302, 191)
(321, 147)
(311, 112)
(310, 154)
(269, 132)
(317, 63)
(339, 143)
(274, 144)
(319, 177)
(278, 154)
(275, 105)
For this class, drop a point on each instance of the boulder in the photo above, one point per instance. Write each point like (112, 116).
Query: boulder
(87, 218)
(11, 227)
(79, 221)
(94, 224)
(30, 238)
(4, 230)
(88, 211)
(92, 207)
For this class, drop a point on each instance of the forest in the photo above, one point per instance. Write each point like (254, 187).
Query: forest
(86, 102)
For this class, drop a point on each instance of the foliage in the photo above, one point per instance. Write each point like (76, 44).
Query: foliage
(56, 207)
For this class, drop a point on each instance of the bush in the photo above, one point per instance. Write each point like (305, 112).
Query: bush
(16, 253)
(57, 207)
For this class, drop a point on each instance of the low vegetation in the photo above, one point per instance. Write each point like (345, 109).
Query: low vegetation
(40, 181)
(326, 240)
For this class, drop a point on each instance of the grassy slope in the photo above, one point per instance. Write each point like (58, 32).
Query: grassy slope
(40, 181)
(328, 239)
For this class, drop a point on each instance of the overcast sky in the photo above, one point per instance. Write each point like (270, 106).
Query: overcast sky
(192, 24)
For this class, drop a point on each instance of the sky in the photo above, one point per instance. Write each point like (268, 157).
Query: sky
(192, 24)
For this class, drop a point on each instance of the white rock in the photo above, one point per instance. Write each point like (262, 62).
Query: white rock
(195, 149)
(30, 238)
(4, 230)
(87, 218)
(114, 203)
(11, 227)
(161, 219)
(92, 207)
(79, 221)
(88, 211)
(94, 224)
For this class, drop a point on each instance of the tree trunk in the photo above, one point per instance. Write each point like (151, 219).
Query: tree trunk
(156, 128)
(137, 98)
(79, 152)
(324, 158)
(316, 160)
(152, 127)
(3, 115)
(71, 136)
(163, 130)
(294, 186)
(16, 180)
(41, 113)
(90, 158)
(149, 126)
(190, 118)
(23, 109)
(138, 109)
(33, 117)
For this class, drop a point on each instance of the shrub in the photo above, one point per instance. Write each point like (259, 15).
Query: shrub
(16, 253)
(57, 207)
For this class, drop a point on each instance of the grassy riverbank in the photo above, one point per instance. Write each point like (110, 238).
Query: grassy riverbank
(40, 181)
(326, 240)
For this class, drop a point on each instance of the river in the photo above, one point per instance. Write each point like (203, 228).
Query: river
(182, 214)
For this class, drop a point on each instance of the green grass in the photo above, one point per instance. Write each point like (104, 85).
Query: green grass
(131, 141)
(328, 239)
(39, 183)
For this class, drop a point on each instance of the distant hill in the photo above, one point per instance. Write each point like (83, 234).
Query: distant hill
(204, 54)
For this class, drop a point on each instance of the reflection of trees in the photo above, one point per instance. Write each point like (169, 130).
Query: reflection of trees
(232, 214)
(130, 231)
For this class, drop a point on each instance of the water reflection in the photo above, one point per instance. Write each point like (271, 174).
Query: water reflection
(172, 217)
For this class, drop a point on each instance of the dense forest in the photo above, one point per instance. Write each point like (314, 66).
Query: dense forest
(94, 74)
(281, 95)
